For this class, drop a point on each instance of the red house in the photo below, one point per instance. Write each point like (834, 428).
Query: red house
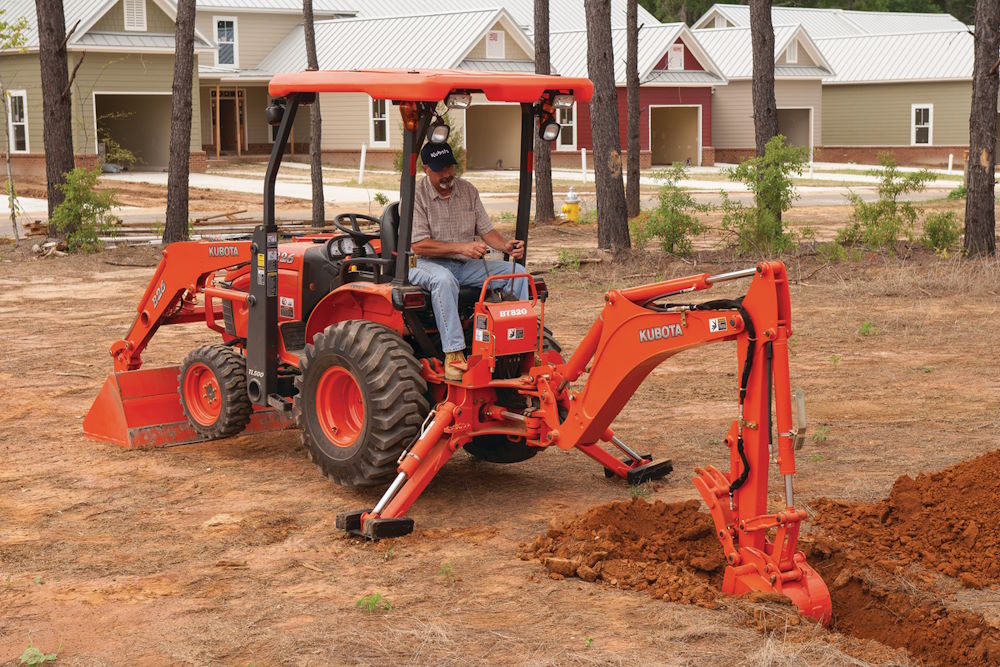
(677, 79)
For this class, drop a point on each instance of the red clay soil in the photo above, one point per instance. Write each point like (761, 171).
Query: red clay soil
(884, 562)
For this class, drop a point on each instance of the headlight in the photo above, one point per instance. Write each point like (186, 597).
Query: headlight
(458, 100)
(549, 131)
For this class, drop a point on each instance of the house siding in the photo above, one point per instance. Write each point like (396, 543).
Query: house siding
(511, 49)
(732, 119)
(345, 122)
(114, 20)
(256, 34)
(879, 114)
(650, 96)
(23, 72)
(125, 73)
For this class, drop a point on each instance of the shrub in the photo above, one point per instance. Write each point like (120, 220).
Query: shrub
(832, 252)
(760, 229)
(672, 222)
(85, 213)
(879, 224)
(941, 231)
(957, 193)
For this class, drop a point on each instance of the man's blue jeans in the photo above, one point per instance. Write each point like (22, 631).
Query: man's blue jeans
(442, 278)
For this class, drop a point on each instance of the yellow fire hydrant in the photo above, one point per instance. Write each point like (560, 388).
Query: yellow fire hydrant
(571, 209)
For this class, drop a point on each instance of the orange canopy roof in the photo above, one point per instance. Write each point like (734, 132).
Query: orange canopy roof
(429, 85)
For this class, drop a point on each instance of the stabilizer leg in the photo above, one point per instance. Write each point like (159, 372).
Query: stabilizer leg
(417, 468)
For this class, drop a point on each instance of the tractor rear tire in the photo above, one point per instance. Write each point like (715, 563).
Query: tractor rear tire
(361, 401)
(498, 448)
(213, 391)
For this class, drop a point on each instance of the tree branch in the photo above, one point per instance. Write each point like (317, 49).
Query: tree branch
(72, 75)
(69, 33)
(993, 70)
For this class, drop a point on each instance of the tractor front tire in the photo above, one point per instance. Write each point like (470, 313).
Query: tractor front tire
(213, 391)
(361, 401)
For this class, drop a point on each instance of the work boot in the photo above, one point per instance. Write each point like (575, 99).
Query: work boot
(451, 372)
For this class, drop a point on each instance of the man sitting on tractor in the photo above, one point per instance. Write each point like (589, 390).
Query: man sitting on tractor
(447, 216)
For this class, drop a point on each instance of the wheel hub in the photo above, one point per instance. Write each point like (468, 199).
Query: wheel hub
(202, 394)
(340, 406)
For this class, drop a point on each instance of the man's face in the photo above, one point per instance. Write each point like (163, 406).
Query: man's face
(443, 180)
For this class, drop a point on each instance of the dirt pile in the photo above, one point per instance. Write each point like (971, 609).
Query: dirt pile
(942, 521)
(892, 567)
(669, 550)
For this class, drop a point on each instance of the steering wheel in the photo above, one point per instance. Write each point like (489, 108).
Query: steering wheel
(359, 237)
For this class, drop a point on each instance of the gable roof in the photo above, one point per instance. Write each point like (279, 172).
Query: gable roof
(563, 14)
(569, 55)
(821, 22)
(733, 50)
(320, 7)
(928, 56)
(387, 42)
(88, 13)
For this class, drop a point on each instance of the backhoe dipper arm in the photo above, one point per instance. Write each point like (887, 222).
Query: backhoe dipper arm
(182, 273)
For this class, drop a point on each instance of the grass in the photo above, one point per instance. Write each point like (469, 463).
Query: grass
(638, 491)
(447, 571)
(868, 329)
(820, 435)
(33, 655)
(569, 258)
(374, 603)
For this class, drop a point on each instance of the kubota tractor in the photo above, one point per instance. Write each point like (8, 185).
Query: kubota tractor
(325, 331)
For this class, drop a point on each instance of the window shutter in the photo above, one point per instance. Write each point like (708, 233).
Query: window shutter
(135, 14)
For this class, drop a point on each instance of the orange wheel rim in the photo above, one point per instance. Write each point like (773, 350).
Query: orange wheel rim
(202, 394)
(340, 406)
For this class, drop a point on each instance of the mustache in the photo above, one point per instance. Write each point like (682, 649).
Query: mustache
(447, 182)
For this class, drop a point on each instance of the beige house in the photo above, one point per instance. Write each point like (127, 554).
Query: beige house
(908, 94)
(799, 68)
(121, 90)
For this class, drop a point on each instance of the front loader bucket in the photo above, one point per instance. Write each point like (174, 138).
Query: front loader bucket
(142, 408)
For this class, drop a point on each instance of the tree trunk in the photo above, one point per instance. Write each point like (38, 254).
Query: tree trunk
(544, 203)
(57, 108)
(315, 121)
(612, 213)
(176, 227)
(632, 107)
(765, 110)
(980, 215)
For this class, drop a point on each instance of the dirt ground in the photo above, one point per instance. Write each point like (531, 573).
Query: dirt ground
(226, 552)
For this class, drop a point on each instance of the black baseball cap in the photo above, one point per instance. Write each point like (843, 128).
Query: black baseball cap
(437, 156)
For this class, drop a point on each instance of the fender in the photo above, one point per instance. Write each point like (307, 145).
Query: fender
(355, 301)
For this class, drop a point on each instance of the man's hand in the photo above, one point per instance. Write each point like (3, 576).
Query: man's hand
(515, 249)
(473, 249)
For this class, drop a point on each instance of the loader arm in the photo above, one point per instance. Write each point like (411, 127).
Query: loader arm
(170, 296)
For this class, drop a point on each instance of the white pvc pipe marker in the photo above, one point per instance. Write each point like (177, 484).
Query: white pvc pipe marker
(583, 165)
(361, 168)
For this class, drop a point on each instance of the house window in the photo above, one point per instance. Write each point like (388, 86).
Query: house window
(135, 15)
(922, 128)
(225, 38)
(17, 118)
(495, 45)
(567, 131)
(792, 53)
(675, 57)
(379, 124)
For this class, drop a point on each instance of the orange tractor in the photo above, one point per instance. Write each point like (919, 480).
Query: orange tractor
(325, 331)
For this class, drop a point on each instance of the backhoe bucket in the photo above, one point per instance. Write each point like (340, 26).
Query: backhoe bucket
(142, 408)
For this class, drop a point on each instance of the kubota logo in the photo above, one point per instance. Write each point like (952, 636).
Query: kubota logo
(513, 312)
(660, 333)
(223, 251)
(443, 151)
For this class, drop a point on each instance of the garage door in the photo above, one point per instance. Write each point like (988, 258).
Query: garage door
(673, 135)
(139, 123)
(794, 125)
(493, 136)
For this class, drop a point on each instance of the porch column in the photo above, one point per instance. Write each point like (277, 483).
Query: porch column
(239, 133)
(218, 118)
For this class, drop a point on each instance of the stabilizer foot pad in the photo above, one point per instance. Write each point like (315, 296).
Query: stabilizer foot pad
(377, 529)
(350, 521)
(650, 471)
(628, 461)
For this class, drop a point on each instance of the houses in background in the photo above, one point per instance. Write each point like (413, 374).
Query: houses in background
(848, 84)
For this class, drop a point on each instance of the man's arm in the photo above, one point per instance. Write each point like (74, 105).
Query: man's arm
(433, 248)
(496, 240)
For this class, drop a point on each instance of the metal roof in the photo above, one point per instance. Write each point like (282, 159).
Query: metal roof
(929, 56)
(388, 42)
(88, 12)
(569, 51)
(563, 14)
(835, 22)
(732, 49)
(684, 78)
(344, 7)
(134, 40)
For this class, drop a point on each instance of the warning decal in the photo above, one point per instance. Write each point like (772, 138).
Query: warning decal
(717, 324)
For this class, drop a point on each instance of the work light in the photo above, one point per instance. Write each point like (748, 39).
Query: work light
(562, 101)
(439, 133)
(458, 100)
(549, 131)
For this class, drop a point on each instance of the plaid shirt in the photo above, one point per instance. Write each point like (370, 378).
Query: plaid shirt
(455, 219)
